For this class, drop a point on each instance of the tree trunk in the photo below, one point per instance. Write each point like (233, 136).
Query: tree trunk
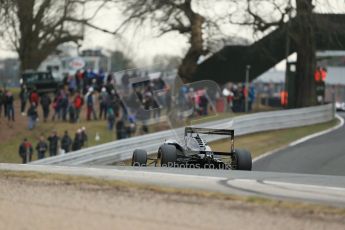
(190, 61)
(28, 45)
(33, 49)
(306, 59)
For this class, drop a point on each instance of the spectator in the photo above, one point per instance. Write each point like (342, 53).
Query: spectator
(53, 144)
(251, 97)
(78, 103)
(89, 76)
(79, 79)
(160, 85)
(203, 103)
(110, 79)
(84, 137)
(9, 102)
(90, 105)
(111, 118)
(115, 103)
(45, 103)
(132, 126)
(64, 105)
(72, 84)
(182, 96)
(236, 101)
(23, 95)
(32, 115)
(121, 131)
(57, 107)
(110, 87)
(228, 94)
(71, 112)
(25, 151)
(41, 148)
(103, 98)
(34, 98)
(241, 97)
(66, 142)
(78, 141)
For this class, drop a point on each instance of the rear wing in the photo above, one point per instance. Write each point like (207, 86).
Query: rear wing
(225, 132)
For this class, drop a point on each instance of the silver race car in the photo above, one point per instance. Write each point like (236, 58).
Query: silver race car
(196, 153)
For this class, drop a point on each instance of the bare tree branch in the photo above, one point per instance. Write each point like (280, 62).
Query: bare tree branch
(35, 28)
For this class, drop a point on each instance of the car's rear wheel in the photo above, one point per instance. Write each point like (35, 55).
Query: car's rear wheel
(241, 160)
(168, 155)
(139, 157)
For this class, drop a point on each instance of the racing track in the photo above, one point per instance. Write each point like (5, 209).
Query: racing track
(288, 181)
(323, 155)
(320, 189)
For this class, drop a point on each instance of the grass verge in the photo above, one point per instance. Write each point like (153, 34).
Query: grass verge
(128, 186)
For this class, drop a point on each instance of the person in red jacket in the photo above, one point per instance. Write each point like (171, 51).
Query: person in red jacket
(25, 151)
(78, 103)
(34, 98)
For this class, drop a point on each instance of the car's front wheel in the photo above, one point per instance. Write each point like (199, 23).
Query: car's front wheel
(241, 160)
(139, 157)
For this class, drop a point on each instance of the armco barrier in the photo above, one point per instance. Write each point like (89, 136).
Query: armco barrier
(122, 149)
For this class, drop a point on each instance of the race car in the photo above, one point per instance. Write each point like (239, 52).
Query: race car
(196, 153)
(340, 106)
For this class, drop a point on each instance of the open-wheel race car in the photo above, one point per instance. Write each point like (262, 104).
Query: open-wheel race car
(196, 153)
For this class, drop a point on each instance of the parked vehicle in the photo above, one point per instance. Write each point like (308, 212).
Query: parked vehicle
(42, 82)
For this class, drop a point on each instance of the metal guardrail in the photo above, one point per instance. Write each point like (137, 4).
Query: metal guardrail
(122, 149)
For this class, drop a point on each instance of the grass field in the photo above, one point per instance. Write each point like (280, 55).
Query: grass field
(9, 147)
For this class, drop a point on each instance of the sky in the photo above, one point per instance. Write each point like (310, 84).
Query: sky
(142, 45)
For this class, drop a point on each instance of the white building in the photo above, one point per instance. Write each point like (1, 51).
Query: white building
(67, 61)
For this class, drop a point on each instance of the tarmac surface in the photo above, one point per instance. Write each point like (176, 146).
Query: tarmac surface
(329, 190)
(323, 155)
(313, 171)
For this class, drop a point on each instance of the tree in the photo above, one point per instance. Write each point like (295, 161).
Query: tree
(35, 28)
(306, 57)
(302, 36)
(172, 16)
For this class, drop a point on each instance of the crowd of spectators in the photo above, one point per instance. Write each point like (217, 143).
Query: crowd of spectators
(124, 102)
(144, 100)
(53, 145)
(236, 94)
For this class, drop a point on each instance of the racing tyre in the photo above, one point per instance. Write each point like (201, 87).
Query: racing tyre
(242, 160)
(168, 155)
(139, 158)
